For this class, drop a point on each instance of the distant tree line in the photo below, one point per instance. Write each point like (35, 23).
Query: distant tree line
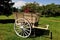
(45, 10)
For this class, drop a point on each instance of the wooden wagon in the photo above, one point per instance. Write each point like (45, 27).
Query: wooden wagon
(24, 22)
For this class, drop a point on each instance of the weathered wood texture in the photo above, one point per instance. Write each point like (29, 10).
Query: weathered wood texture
(31, 17)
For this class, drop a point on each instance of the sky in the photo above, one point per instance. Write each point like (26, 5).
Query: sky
(19, 3)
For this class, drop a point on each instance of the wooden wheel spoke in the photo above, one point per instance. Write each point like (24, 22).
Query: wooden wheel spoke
(26, 32)
(27, 29)
(22, 28)
(21, 33)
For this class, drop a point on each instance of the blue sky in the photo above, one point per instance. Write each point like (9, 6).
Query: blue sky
(43, 2)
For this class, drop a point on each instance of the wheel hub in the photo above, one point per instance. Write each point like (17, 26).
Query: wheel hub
(21, 27)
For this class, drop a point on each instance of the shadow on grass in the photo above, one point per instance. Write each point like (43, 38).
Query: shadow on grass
(39, 32)
(4, 21)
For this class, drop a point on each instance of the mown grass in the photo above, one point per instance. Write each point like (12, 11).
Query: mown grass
(7, 30)
(5, 17)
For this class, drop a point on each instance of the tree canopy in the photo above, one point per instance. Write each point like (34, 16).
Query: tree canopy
(6, 7)
(33, 7)
(47, 10)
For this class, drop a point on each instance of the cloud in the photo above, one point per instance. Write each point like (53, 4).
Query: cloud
(40, 4)
(18, 4)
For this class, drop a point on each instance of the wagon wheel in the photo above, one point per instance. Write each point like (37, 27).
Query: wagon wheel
(22, 27)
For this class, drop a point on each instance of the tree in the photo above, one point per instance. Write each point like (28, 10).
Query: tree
(6, 7)
(14, 9)
(33, 7)
(45, 10)
(51, 10)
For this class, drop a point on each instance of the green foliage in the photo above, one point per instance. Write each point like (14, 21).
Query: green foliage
(6, 7)
(45, 10)
(51, 10)
(33, 7)
(14, 9)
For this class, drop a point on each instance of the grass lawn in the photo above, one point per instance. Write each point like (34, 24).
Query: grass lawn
(5, 17)
(7, 30)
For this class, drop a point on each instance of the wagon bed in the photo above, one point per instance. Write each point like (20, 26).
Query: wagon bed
(29, 16)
